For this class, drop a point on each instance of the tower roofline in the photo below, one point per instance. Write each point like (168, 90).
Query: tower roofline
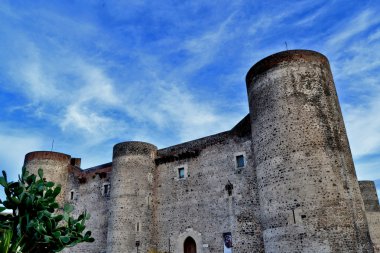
(47, 155)
(284, 56)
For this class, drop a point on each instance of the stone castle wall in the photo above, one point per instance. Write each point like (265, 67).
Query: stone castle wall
(86, 193)
(297, 190)
(200, 204)
(372, 209)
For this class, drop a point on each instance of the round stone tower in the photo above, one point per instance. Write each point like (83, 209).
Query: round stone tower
(369, 195)
(129, 222)
(55, 166)
(309, 195)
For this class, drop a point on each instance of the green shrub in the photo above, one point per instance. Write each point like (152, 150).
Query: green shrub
(37, 224)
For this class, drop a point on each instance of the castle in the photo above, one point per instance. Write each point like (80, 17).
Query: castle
(281, 180)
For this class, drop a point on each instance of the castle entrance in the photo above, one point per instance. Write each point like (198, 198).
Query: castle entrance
(189, 245)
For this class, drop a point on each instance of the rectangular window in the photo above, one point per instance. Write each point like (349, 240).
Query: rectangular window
(106, 190)
(71, 195)
(181, 172)
(240, 161)
(227, 238)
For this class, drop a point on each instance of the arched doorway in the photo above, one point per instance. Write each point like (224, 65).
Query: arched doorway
(189, 246)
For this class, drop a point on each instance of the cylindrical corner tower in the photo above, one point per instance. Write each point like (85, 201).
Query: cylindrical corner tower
(369, 195)
(129, 223)
(309, 194)
(55, 166)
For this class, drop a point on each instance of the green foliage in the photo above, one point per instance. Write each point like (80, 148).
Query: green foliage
(37, 223)
(5, 240)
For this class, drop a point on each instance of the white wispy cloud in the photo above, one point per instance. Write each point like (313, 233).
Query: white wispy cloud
(363, 127)
(97, 86)
(360, 23)
(374, 36)
(170, 105)
(127, 70)
(35, 82)
(311, 18)
(192, 118)
(203, 48)
(89, 122)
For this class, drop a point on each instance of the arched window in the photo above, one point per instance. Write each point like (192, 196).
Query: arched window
(189, 246)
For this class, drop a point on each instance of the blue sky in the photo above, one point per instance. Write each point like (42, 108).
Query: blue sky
(90, 74)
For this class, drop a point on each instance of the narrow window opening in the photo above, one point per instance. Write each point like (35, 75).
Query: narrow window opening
(294, 216)
(181, 172)
(71, 195)
(227, 238)
(138, 227)
(229, 187)
(106, 190)
(240, 161)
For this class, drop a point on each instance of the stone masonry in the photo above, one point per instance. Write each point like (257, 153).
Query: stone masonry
(281, 180)
(372, 209)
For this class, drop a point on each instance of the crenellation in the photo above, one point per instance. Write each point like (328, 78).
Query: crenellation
(281, 180)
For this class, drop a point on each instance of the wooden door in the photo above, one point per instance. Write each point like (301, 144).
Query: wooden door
(189, 246)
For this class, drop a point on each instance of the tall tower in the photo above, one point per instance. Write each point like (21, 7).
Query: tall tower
(369, 194)
(129, 222)
(55, 166)
(372, 208)
(309, 195)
